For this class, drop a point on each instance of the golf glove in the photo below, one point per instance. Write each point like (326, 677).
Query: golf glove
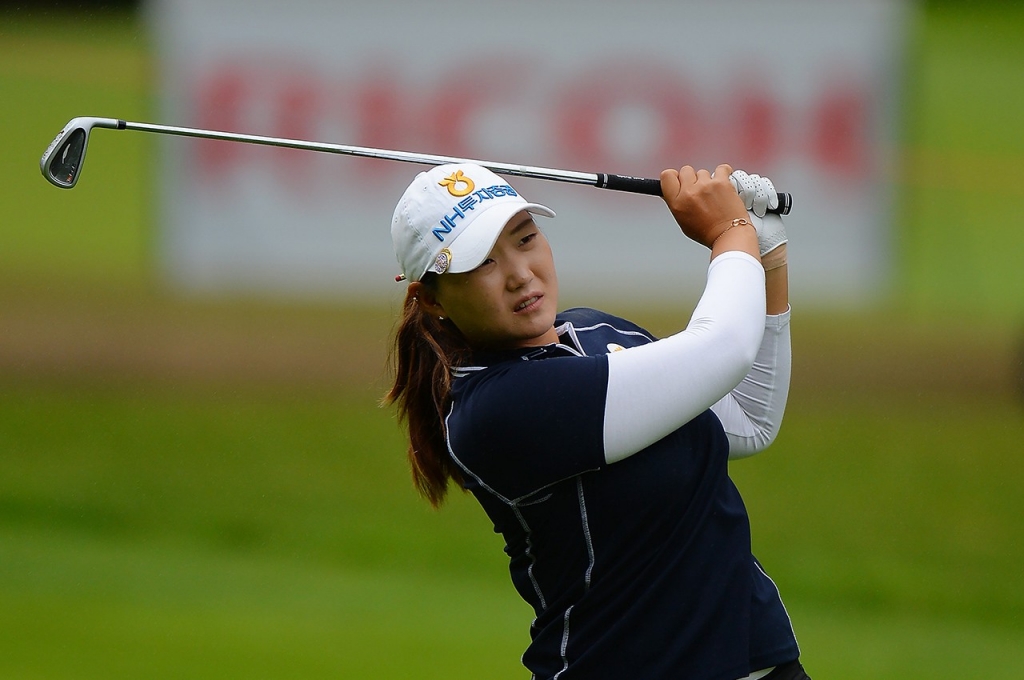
(759, 195)
(771, 232)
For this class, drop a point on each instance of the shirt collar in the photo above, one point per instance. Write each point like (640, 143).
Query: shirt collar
(568, 345)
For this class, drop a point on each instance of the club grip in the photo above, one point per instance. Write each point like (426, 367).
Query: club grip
(652, 187)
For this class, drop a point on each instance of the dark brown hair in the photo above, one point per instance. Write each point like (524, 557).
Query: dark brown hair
(423, 352)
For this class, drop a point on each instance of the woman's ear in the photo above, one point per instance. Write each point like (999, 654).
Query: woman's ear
(426, 299)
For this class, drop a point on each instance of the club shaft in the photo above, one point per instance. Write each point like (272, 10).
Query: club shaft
(366, 152)
(638, 185)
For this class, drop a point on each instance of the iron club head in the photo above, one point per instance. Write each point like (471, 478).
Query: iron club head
(61, 163)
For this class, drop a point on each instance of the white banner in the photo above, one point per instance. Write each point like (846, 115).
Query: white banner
(805, 92)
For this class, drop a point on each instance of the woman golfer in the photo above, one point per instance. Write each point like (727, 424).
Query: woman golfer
(599, 452)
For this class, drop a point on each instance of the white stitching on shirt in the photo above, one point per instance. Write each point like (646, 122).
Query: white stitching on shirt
(533, 559)
(565, 643)
(586, 533)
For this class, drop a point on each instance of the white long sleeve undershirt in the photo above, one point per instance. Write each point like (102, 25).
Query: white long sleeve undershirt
(730, 357)
(752, 412)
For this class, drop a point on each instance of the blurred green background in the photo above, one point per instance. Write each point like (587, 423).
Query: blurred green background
(207, 488)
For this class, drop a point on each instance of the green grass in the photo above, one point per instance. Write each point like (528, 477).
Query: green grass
(82, 606)
(212, 535)
(960, 246)
(914, 505)
(209, 534)
(52, 70)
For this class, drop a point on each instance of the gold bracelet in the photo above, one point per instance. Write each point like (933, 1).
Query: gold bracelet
(738, 222)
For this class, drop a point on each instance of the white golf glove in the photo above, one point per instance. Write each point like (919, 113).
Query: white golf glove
(759, 195)
(771, 233)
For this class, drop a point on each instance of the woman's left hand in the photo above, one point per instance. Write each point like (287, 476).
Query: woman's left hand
(704, 204)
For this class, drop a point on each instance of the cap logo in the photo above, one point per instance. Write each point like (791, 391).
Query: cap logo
(458, 184)
(447, 223)
(441, 262)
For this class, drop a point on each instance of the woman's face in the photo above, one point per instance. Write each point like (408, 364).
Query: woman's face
(510, 300)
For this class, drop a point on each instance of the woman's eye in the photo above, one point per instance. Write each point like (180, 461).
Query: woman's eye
(528, 238)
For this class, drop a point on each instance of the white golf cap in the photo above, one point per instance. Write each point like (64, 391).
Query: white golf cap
(450, 216)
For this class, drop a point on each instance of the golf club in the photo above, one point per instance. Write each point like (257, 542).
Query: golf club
(62, 161)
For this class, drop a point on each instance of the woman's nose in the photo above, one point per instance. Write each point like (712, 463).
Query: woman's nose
(519, 274)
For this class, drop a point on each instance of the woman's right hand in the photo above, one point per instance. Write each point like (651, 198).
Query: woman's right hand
(704, 204)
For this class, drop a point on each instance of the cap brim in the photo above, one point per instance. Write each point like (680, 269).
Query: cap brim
(473, 245)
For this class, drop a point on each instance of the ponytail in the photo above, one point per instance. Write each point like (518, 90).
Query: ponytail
(423, 352)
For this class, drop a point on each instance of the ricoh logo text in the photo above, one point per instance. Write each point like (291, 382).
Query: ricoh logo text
(605, 117)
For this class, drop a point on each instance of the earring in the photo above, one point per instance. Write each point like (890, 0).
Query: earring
(440, 318)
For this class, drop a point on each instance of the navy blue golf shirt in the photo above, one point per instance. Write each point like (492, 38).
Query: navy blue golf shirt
(639, 569)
